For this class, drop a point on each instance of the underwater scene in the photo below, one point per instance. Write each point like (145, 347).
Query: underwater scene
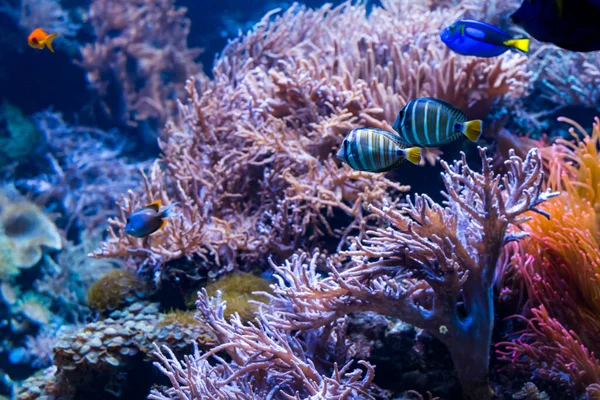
(277, 200)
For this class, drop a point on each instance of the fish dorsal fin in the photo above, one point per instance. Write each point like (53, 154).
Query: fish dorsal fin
(155, 205)
(482, 27)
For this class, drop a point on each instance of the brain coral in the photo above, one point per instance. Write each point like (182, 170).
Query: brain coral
(114, 289)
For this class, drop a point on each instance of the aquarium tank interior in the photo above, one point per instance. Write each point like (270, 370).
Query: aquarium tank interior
(312, 200)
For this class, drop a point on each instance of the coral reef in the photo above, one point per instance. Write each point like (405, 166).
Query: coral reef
(140, 54)
(25, 231)
(250, 157)
(83, 173)
(95, 360)
(115, 289)
(293, 370)
(20, 140)
(237, 291)
(556, 272)
(432, 267)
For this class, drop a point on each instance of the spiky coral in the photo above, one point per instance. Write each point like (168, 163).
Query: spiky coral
(251, 158)
(432, 267)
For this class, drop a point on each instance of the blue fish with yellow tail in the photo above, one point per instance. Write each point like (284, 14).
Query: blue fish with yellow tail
(147, 220)
(375, 150)
(470, 37)
(429, 122)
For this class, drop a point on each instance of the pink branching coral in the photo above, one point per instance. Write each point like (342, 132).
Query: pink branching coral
(141, 47)
(266, 362)
(433, 267)
(555, 352)
(250, 159)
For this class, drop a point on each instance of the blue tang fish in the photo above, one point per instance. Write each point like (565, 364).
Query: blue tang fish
(470, 37)
(147, 220)
(429, 122)
(572, 25)
(375, 150)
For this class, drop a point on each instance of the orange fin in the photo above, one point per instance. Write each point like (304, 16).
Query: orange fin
(155, 205)
(49, 40)
(164, 223)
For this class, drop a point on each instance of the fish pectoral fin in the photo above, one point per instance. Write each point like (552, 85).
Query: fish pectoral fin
(155, 205)
(413, 155)
(521, 44)
(472, 129)
(49, 40)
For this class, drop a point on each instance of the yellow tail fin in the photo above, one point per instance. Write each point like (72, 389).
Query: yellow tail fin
(49, 40)
(519, 44)
(413, 155)
(472, 129)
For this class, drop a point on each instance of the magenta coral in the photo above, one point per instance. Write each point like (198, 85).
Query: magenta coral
(432, 267)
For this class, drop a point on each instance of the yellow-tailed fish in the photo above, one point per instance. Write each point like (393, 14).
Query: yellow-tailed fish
(38, 39)
(375, 150)
(147, 220)
(429, 122)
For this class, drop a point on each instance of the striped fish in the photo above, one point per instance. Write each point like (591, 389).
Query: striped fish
(375, 150)
(428, 122)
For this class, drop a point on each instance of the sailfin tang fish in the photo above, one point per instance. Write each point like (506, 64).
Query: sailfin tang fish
(572, 25)
(470, 37)
(149, 219)
(429, 122)
(38, 39)
(375, 150)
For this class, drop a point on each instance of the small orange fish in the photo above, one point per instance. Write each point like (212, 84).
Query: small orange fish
(38, 39)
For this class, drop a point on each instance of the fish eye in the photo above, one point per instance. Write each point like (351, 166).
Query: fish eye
(127, 219)
(34, 40)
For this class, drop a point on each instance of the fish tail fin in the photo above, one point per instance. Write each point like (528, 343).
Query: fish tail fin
(519, 44)
(413, 155)
(49, 40)
(168, 212)
(472, 129)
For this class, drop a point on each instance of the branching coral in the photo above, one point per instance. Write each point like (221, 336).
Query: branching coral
(251, 158)
(140, 49)
(266, 363)
(554, 352)
(86, 171)
(432, 267)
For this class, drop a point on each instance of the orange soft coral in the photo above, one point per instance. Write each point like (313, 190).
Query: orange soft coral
(559, 266)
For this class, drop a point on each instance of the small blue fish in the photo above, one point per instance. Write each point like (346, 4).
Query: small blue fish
(429, 122)
(147, 220)
(470, 37)
(375, 150)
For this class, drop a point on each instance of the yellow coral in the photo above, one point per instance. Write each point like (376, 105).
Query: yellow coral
(116, 288)
(237, 291)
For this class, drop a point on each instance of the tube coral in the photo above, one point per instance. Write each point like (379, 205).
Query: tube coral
(250, 158)
(433, 266)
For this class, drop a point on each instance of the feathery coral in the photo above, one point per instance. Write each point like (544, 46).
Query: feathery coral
(432, 267)
(250, 158)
